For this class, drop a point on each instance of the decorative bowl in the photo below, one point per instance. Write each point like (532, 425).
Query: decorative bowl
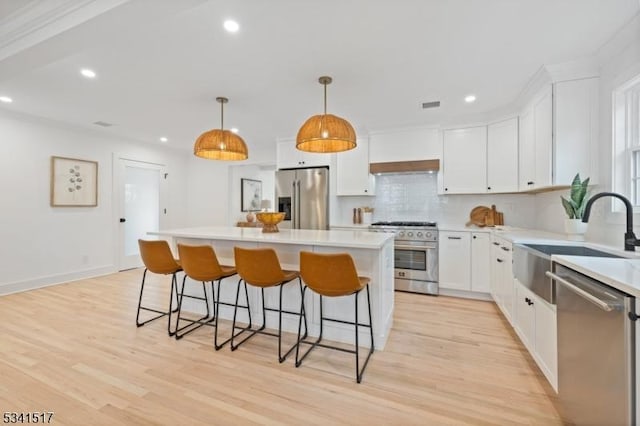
(270, 220)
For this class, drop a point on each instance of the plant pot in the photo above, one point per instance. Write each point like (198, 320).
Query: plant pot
(575, 229)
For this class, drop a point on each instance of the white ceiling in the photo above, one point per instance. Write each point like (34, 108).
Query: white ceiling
(161, 63)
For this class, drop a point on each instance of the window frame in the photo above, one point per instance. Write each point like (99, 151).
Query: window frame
(626, 142)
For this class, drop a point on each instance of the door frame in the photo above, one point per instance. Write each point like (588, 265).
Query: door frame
(118, 161)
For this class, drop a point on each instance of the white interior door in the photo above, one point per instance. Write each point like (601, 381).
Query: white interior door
(140, 190)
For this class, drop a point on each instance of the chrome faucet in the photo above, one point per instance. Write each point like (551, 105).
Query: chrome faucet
(630, 240)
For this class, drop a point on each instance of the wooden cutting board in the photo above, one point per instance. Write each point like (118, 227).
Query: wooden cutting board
(478, 216)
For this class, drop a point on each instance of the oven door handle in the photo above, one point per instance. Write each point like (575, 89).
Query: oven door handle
(406, 247)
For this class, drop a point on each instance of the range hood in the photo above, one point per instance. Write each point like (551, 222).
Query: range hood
(405, 167)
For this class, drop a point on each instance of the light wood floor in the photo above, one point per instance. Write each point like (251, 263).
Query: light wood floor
(74, 349)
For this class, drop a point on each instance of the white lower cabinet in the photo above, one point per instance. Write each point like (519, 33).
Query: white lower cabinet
(502, 275)
(524, 320)
(534, 321)
(454, 260)
(480, 262)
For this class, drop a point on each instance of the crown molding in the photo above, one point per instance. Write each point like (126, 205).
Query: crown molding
(38, 21)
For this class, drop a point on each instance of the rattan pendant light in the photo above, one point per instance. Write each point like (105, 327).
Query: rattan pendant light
(326, 132)
(220, 144)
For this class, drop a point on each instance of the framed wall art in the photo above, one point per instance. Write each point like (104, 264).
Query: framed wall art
(74, 182)
(250, 195)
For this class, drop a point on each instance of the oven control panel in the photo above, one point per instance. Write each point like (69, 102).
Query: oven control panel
(409, 234)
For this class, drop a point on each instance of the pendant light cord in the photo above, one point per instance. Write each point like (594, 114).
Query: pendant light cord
(325, 98)
(221, 115)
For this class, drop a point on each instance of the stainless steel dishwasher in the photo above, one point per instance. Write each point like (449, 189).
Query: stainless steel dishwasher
(596, 350)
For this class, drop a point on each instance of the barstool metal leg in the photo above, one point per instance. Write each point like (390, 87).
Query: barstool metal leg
(359, 373)
(194, 324)
(358, 378)
(356, 324)
(142, 308)
(313, 344)
(173, 285)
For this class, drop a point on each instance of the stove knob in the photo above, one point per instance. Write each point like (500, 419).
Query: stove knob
(419, 234)
(409, 234)
(428, 235)
(401, 234)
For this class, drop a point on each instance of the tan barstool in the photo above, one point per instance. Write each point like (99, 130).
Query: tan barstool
(157, 258)
(334, 275)
(200, 263)
(261, 268)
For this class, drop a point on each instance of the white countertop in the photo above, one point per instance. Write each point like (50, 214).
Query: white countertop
(623, 274)
(359, 226)
(338, 238)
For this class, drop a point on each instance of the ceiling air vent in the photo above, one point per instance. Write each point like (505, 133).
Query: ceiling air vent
(102, 124)
(433, 104)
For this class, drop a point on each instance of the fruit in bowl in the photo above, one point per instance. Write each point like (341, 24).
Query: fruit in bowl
(270, 220)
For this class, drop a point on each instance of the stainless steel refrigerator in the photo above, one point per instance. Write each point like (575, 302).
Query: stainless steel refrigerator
(303, 195)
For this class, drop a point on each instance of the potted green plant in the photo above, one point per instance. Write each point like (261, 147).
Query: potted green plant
(574, 207)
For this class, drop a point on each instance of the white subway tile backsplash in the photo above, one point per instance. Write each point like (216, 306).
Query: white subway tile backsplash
(415, 197)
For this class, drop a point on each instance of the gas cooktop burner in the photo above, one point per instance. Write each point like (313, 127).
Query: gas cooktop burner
(427, 224)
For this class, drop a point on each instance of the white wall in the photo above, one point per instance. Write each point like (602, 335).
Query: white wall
(44, 245)
(265, 174)
(619, 61)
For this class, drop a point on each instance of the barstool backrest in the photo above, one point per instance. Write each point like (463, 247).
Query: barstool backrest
(259, 267)
(329, 274)
(199, 263)
(157, 257)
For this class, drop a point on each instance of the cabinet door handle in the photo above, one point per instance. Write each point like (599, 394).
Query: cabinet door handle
(500, 260)
(454, 238)
(530, 183)
(474, 237)
(505, 249)
(496, 244)
(446, 189)
(366, 190)
(488, 188)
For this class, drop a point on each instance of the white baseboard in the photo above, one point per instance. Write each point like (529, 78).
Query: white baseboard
(465, 294)
(40, 282)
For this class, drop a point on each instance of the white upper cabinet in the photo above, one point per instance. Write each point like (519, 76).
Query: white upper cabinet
(526, 152)
(536, 142)
(502, 156)
(405, 145)
(464, 160)
(558, 135)
(543, 133)
(289, 157)
(353, 177)
(575, 105)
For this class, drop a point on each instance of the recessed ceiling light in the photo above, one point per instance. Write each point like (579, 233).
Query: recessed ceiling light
(163, 139)
(470, 98)
(86, 72)
(234, 129)
(231, 26)
(6, 99)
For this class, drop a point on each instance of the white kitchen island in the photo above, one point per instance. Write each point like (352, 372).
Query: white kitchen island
(372, 253)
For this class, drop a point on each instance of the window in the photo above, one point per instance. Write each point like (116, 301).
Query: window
(626, 137)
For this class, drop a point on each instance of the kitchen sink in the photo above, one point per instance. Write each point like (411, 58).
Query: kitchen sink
(569, 250)
(532, 261)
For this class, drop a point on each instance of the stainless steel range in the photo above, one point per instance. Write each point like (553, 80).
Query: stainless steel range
(415, 255)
